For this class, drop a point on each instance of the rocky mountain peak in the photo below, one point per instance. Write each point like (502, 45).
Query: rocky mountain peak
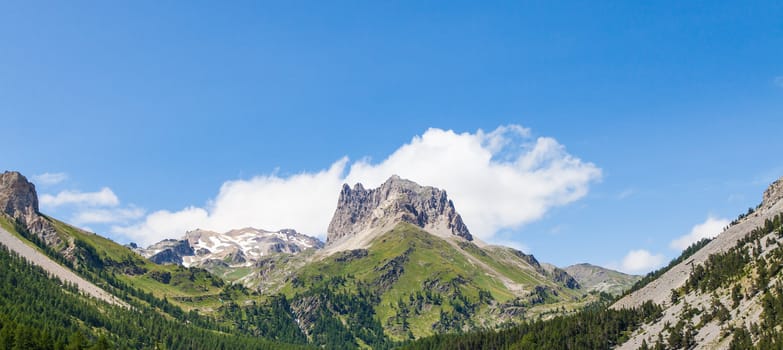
(17, 195)
(396, 200)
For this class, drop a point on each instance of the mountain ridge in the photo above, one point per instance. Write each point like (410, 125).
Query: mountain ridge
(715, 295)
(403, 283)
(657, 292)
(432, 242)
(234, 247)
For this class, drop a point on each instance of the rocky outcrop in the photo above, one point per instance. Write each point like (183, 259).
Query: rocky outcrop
(168, 251)
(772, 195)
(19, 200)
(17, 195)
(561, 276)
(166, 257)
(396, 200)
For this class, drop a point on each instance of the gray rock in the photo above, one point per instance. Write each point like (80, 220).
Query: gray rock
(560, 276)
(396, 199)
(168, 251)
(19, 200)
(166, 256)
(17, 195)
(773, 194)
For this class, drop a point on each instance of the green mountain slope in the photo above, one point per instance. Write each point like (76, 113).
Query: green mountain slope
(723, 293)
(38, 312)
(406, 283)
(99, 259)
(419, 284)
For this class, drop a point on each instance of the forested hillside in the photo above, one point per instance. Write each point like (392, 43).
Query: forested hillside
(37, 312)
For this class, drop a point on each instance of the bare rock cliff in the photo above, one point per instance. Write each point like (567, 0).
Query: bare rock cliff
(772, 195)
(396, 200)
(19, 200)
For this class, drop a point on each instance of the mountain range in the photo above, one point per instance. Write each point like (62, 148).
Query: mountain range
(399, 268)
(407, 245)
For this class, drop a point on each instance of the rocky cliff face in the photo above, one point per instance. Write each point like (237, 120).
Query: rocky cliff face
(19, 200)
(396, 200)
(167, 251)
(772, 195)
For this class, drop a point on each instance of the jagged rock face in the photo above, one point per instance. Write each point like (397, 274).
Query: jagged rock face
(396, 200)
(166, 256)
(561, 276)
(773, 194)
(235, 247)
(19, 200)
(17, 195)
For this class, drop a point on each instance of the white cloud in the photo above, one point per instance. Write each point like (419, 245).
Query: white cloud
(47, 179)
(708, 229)
(498, 180)
(107, 216)
(104, 197)
(641, 261)
(304, 202)
(164, 224)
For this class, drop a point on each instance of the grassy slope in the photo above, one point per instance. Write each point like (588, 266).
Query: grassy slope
(429, 258)
(187, 288)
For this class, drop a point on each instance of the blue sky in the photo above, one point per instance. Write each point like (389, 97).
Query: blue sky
(679, 105)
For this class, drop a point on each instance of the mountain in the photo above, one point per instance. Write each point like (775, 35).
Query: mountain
(406, 253)
(60, 286)
(241, 247)
(727, 292)
(403, 265)
(723, 293)
(93, 257)
(600, 279)
(400, 252)
(399, 265)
